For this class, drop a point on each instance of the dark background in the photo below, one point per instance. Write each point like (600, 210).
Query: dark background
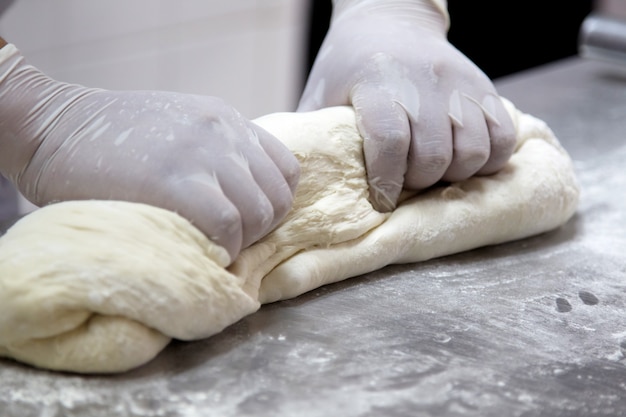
(501, 37)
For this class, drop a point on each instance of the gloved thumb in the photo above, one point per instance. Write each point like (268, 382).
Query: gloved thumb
(384, 125)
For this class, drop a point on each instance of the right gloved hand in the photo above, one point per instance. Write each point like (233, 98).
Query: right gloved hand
(425, 111)
(191, 154)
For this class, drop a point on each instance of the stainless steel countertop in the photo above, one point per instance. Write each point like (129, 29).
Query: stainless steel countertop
(532, 328)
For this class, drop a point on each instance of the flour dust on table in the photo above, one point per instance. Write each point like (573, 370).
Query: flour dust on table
(103, 286)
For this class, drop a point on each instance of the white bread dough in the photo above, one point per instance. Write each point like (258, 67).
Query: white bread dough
(102, 286)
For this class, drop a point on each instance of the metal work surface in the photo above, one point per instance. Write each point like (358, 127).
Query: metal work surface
(532, 328)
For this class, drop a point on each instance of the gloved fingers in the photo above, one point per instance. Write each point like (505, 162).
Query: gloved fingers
(502, 133)
(471, 145)
(284, 159)
(239, 184)
(431, 147)
(201, 200)
(277, 183)
(384, 125)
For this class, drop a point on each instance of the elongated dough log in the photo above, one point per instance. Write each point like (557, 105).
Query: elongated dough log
(102, 286)
(536, 192)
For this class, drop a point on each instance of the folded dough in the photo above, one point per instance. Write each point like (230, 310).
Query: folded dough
(103, 286)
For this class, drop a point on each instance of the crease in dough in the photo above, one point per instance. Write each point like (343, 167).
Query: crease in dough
(103, 286)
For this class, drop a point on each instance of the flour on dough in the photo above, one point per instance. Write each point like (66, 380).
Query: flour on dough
(102, 286)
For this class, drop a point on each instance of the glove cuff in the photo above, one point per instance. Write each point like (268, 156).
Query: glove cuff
(427, 8)
(442, 6)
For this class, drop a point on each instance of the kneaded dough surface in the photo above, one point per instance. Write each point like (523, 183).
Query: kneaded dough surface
(102, 286)
(537, 191)
(99, 286)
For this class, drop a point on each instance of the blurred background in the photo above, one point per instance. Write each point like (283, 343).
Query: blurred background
(245, 51)
(255, 54)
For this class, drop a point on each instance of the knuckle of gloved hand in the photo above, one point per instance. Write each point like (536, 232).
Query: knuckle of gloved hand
(472, 158)
(282, 203)
(502, 149)
(265, 212)
(504, 132)
(505, 142)
(214, 102)
(426, 169)
(217, 112)
(433, 162)
(227, 222)
(258, 221)
(291, 171)
(388, 143)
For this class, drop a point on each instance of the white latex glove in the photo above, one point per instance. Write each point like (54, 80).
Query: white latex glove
(425, 111)
(8, 201)
(191, 154)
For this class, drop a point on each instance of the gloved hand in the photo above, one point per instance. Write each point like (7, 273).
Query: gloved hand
(191, 154)
(425, 111)
(8, 201)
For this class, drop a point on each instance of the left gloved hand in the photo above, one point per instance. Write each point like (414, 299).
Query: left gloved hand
(195, 155)
(425, 111)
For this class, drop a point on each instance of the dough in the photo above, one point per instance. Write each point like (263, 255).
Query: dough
(102, 286)
(537, 191)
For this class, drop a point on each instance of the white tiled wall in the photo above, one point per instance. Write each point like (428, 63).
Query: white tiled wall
(249, 52)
